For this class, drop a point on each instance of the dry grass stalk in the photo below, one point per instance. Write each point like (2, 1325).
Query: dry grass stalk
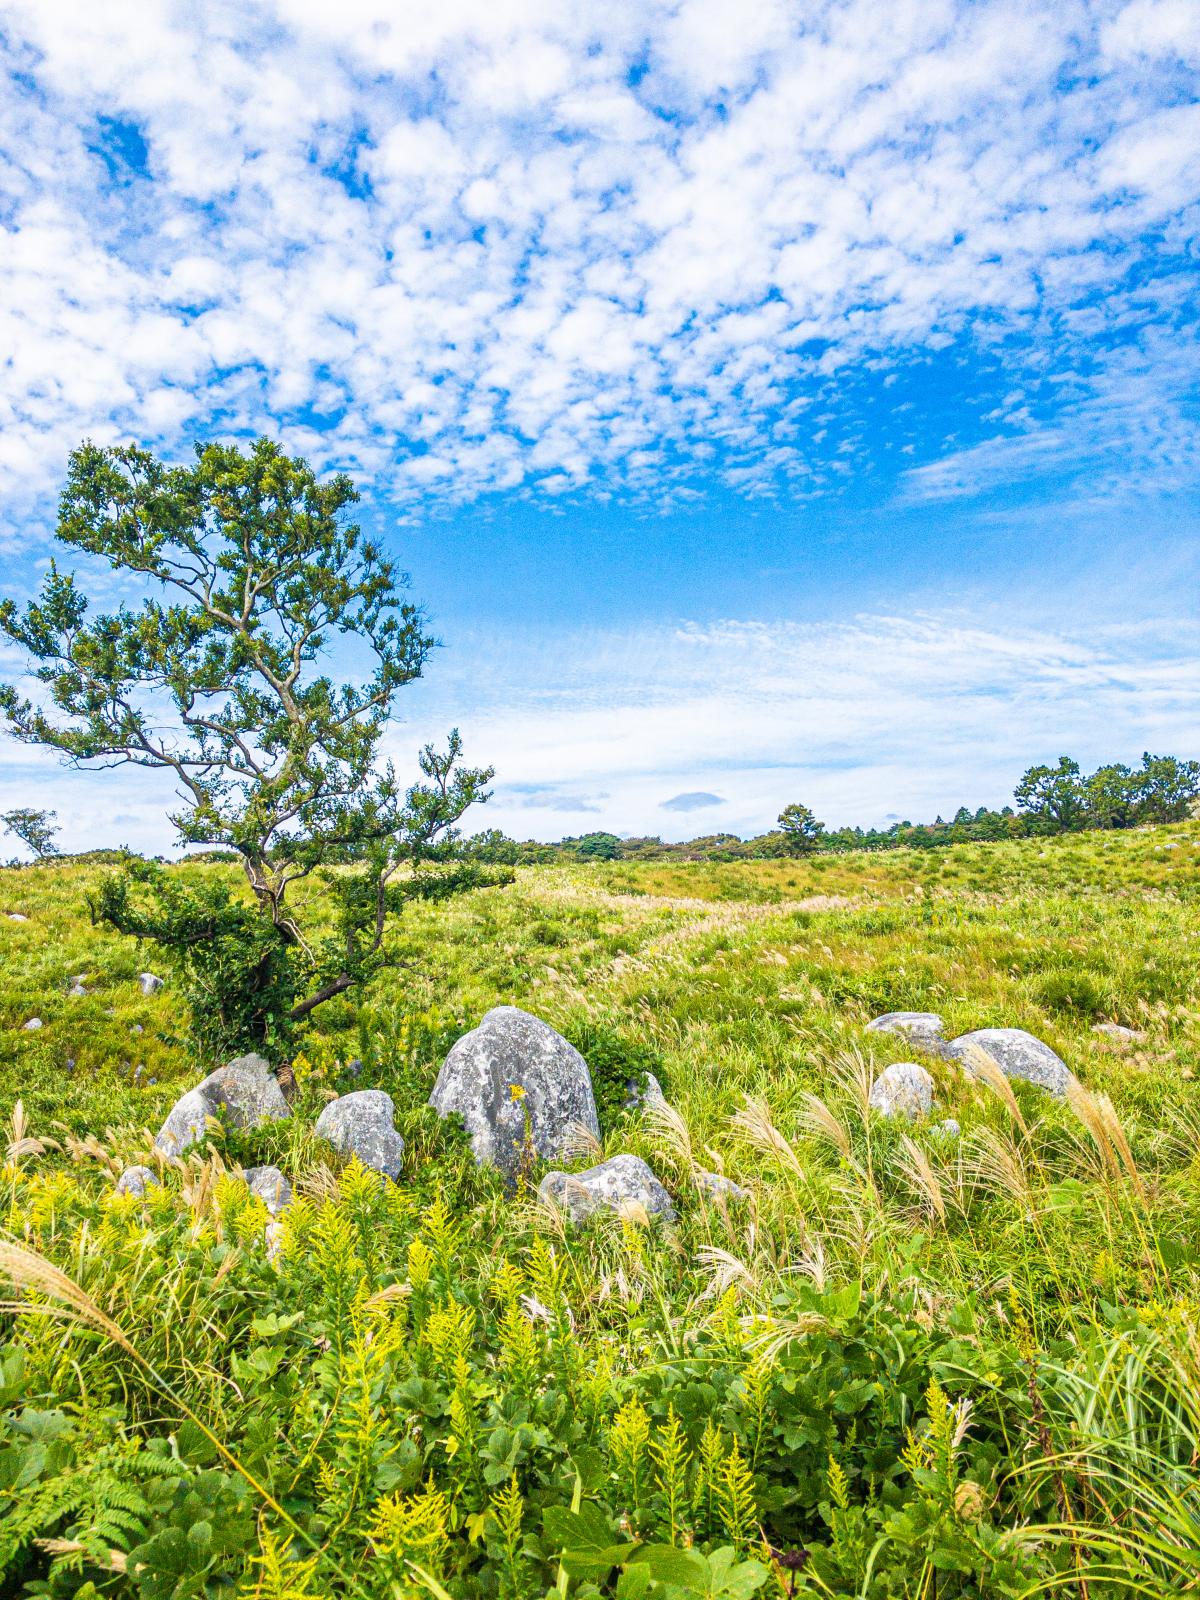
(319, 1182)
(115, 1562)
(1099, 1118)
(581, 1143)
(917, 1171)
(819, 1121)
(853, 1073)
(30, 1273)
(21, 1142)
(977, 1063)
(753, 1123)
(667, 1124)
(998, 1162)
(776, 1335)
(725, 1271)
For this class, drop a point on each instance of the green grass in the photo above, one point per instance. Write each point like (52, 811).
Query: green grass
(938, 1367)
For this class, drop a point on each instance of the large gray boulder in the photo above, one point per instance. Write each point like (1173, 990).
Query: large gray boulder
(1018, 1055)
(363, 1124)
(271, 1187)
(904, 1089)
(244, 1093)
(610, 1186)
(511, 1067)
(923, 1028)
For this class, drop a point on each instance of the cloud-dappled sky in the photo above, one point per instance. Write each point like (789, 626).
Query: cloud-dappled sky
(771, 400)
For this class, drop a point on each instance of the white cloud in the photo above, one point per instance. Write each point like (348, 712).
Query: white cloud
(556, 245)
(881, 716)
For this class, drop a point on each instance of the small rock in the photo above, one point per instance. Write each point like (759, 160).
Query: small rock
(271, 1187)
(637, 1096)
(15, 916)
(148, 983)
(354, 1068)
(137, 1028)
(719, 1186)
(922, 1028)
(136, 1180)
(1115, 1030)
(511, 1073)
(1018, 1055)
(77, 986)
(363, 1124)
(948, 1129)
(609, 1186)
(246, 1093)
(903, 1090)
(33, 1025)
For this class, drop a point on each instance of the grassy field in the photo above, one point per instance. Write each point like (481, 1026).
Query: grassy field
(908, 1364)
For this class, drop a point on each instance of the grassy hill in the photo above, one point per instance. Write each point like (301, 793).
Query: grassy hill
(908, 1363)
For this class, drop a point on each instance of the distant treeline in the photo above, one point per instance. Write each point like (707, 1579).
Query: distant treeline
(1049, 800)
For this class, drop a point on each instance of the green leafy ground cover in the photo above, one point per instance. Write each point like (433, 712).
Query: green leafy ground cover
(906, 1365)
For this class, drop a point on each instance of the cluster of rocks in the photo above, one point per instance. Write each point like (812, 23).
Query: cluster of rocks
(906, 1088)
(521, 1089)
(524, 1093)
(77, 987)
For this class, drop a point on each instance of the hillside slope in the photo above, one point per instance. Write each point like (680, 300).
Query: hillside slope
(910, 1361)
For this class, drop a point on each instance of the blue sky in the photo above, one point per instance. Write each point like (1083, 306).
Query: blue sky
(770, 401)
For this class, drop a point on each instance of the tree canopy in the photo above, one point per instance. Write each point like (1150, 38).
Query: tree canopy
(252, 581)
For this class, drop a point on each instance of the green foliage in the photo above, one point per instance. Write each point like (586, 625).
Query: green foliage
(232, 964)
(800, 829)
(247, 571)
(619, 1066)
(907, 1364)
(35, 829)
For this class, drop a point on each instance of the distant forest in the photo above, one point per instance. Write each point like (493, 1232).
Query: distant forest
(1049, 800)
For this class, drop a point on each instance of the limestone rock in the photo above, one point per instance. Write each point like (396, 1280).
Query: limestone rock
(244, 1093)
(514, 1067)
(16, 916)
(922, 1028)
(148, 983)
(136, 1180)
(610, 1186)
(1018, 1055)
(363, 1124)
(718, 1186)
(1115, 1030)
(948, 1129)
(33, 1025)
(271, 1187)
(637, 1097)
(903, 1090)
(77, 985)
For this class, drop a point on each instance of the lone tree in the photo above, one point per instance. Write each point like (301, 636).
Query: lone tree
(801, 830)
(35, 829)
(251, 573)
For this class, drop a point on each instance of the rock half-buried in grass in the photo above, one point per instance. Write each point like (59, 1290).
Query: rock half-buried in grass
(613, 1185)
(362, 1124)
(243, 1094)
(1018, 1055)
(904, 1089)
